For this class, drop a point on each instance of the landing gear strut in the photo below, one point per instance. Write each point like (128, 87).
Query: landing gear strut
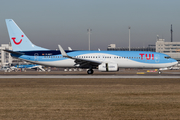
(90, 71)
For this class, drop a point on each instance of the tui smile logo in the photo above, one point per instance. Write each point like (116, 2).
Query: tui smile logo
(14, 40)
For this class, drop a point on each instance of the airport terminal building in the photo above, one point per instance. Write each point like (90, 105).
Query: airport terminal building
(5, 57)
(170, 48)
(112, 47)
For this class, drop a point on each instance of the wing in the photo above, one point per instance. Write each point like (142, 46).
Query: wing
(84, 63)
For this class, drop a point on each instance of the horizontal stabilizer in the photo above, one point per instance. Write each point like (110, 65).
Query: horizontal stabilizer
(13, 52)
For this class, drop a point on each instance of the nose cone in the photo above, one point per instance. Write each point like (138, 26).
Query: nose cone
(174, 61)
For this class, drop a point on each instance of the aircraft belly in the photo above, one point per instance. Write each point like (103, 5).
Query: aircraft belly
(60, 63)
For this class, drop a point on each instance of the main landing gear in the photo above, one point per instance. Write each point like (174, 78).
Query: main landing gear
(90, 71)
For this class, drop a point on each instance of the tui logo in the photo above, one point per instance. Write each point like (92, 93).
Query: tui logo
(14, 40)
(151, 56)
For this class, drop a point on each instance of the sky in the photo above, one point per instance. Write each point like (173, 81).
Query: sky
(48, 23)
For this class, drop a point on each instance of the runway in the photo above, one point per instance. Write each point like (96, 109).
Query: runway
(97, 74)
(90, 76)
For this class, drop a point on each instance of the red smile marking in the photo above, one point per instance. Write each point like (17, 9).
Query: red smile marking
(17, 43)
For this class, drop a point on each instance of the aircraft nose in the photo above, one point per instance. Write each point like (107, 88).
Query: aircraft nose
(174, 61)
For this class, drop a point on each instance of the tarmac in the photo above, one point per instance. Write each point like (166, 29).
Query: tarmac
(90, 76)
(82, 74)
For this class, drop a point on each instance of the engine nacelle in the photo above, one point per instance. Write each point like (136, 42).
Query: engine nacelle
(105, 67)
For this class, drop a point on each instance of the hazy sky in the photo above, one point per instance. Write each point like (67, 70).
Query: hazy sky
(48, 23)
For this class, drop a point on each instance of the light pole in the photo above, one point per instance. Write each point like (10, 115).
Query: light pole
(89, 32)
(129, 39)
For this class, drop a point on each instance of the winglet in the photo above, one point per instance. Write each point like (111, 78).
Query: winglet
(69, 48)
(62, 51)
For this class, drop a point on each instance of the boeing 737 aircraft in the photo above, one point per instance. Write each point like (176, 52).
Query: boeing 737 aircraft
(106, 61)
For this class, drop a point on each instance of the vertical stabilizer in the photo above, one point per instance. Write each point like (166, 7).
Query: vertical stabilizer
(18, 39)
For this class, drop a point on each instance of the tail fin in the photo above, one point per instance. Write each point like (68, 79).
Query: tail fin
(18, 39)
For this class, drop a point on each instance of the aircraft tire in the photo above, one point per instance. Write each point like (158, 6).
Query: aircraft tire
(159, 72)
(90, 71)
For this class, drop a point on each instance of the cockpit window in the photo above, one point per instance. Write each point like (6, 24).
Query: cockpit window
(167, 57)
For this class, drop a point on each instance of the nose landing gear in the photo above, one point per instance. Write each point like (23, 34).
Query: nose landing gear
(159, 72)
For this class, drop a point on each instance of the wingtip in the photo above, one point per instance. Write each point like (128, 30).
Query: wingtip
(62, 51)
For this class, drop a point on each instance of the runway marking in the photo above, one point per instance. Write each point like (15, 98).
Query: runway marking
(140, 72)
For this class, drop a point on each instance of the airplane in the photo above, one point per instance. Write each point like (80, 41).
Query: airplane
(16, 67)
(105, 61)
(28, 66)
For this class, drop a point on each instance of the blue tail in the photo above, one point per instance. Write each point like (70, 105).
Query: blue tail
(18, 39)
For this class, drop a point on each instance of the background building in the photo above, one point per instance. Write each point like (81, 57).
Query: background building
(170, 48)
(5, 57)
(149, 48)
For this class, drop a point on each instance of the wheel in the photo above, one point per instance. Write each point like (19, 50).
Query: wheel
(90, 71)
(159, 72)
